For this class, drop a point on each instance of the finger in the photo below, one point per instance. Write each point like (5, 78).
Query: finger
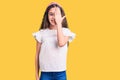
(63, 17)
(57, 10)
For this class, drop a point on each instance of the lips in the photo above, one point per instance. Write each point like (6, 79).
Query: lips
(53, 21)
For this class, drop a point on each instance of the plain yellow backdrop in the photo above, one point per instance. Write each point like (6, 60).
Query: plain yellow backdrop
(93, 55)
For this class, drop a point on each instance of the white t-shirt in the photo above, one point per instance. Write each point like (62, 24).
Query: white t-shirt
(52, 58)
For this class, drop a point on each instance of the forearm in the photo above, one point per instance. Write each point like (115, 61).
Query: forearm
(38, 47)
(36, 66)
(60, 36)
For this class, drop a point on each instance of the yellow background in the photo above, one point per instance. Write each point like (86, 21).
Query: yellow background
(93, 55)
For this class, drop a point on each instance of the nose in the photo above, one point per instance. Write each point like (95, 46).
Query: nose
(53, 17)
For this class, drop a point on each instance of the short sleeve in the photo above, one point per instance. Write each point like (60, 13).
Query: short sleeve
(37, 36)
(67, 32)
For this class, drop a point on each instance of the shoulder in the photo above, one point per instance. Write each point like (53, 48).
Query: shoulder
(42, 30)
(66, 29)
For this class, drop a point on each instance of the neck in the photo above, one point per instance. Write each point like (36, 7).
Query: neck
(53, 27)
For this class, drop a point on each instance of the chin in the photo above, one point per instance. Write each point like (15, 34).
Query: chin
(53, 24)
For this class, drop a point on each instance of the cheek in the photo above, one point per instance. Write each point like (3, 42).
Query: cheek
(49, 17)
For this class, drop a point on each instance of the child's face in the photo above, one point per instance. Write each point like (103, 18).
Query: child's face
(51, 16)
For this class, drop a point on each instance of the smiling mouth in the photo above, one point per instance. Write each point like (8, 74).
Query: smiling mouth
(53, 21)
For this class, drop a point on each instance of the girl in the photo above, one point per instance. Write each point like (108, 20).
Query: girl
(52, 42)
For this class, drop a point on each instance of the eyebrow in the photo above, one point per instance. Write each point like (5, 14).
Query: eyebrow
(51, 12)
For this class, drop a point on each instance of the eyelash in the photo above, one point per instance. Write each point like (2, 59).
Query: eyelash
(51, 14)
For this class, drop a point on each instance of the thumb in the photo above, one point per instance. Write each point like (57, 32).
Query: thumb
(63, 17)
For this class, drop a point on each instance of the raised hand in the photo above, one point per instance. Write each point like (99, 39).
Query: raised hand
(58, 16)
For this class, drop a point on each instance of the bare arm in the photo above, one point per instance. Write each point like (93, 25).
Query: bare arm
(38, 46)
(62, 40)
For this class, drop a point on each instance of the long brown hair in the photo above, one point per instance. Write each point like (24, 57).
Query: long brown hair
(45, 22)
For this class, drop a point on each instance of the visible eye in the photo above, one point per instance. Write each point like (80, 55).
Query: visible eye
(51, 14)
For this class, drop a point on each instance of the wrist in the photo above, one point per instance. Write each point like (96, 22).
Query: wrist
(59, 25)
